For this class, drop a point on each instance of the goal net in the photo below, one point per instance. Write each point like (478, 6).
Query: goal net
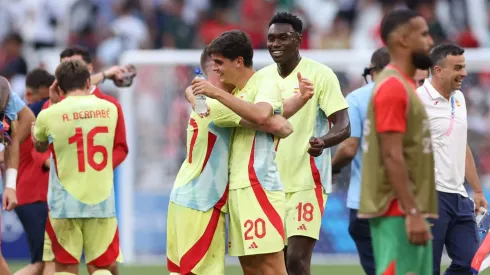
(156, 116)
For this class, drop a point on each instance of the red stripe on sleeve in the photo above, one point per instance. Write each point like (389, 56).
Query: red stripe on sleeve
(211, 141)
(195, 131)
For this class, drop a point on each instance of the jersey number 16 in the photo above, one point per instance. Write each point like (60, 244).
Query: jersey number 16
(92, 149)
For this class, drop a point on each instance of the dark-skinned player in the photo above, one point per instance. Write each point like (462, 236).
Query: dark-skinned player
(304, 157)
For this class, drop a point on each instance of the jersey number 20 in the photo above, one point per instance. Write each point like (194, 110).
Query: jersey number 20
(92, 149)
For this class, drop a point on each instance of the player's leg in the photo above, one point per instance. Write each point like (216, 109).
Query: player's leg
(101, 243)
(196, 240)
(48, 256)
(66, 242)
(393, 254)
(4, 268)
(361, 234)
(33, 218)
(462, 239)
(304, 212)
(439, 229)
(257, 230)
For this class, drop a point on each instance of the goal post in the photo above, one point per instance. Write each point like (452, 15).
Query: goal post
(156, 117)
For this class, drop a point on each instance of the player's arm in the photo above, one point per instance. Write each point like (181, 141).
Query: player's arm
(189, 96)
(257, 113)
(390, 105)
(225, 117)
(276, 125)
(39, 132)
(120, 150)
(348, 148)
(293, 104)
(114, 71)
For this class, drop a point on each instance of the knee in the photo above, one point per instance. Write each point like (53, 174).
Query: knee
(296, 264)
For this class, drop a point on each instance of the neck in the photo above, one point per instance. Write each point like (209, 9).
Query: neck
(441, 88)
(77, 92)
(244, 77)
(288, 67)
(404, 64)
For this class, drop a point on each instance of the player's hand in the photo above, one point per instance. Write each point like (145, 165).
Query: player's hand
(115, 72)
(305, 87)
(480, 201)
(316, 146)
(204, 87)
(417, 230)
(54, 93)
(9, 199)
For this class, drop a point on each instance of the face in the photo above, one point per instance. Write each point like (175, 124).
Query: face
(32, 95)
(420, 76)
(228, 71)
(78, 57)
(419, 41)
(283, 43)
(451, 71)
(214, 78)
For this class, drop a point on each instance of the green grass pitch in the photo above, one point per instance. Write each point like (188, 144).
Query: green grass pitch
(230, 270)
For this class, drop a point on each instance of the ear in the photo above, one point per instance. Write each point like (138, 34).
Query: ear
(90, 68)
(300, 40)
(60, 91)
(239, 62)
(437, 69)
(87, 84)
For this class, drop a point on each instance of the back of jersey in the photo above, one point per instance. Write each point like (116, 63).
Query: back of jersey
(80, 130)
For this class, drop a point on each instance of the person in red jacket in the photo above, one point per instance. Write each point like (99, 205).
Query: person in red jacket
(120, 150)
(32, 180)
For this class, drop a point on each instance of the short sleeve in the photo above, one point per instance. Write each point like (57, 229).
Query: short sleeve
(330, 96)
(223, 116)
(390, 106)
(14, 106)
(41, 128)
(354, 116)
(268, 92)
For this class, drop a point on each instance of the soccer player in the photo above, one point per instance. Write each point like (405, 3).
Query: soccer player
(16, 120)
(120, 150)
(196, 212)
(80, 132)
(303, 159)
(398, 188)
(446, 106)
(32, 183)
(256, 199)
(350, 150)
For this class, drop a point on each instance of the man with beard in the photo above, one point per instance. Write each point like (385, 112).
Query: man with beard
(398, 188)
(303, 159)
(446, 106)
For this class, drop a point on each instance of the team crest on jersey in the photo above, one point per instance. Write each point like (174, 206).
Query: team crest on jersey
(296, 90)
(457, 103)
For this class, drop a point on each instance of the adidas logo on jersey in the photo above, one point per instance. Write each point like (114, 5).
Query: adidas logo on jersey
(253, 245)
(302, 227)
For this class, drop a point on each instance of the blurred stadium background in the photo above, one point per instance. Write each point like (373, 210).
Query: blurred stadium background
(163, 38)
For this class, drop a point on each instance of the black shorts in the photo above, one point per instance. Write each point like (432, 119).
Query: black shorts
(33, 217)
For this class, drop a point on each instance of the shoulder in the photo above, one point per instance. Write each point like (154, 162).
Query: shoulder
(362, 93)
(318, 68)
(392, 83)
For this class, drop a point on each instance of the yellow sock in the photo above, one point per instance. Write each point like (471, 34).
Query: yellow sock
(102, 272)
(63, 273)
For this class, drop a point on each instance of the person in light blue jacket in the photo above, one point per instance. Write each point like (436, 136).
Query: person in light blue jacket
(351, 150)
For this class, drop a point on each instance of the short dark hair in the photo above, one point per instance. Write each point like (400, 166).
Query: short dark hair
(380, 59)
(39, 78)
(72, 75)
(77, 50)
(204, 59)
(287, 18)
(393, 20)
(440, 52)
(233, 44)
(13, 37)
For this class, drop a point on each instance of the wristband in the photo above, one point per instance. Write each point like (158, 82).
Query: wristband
(11, 178)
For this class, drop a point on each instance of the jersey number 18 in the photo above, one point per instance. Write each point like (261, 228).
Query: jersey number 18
(92, 149)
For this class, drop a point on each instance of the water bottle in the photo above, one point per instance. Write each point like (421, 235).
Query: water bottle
(483, 221)
(200, 100)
